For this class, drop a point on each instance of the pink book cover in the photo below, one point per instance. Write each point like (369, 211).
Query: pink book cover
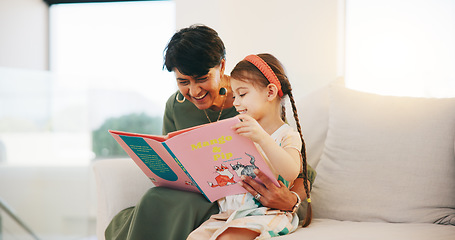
(149, 153)
(209, 158)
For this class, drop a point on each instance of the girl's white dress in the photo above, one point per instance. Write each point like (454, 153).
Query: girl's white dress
(243, 211)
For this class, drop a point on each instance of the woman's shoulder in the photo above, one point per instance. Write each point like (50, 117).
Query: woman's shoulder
(172, 99)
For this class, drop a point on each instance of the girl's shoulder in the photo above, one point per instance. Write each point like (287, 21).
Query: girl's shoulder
(286, 133)
(285, 129)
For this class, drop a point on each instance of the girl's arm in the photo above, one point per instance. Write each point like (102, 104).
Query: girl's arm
(286, 161)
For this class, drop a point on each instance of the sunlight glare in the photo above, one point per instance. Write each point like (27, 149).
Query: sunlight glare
(403, 48)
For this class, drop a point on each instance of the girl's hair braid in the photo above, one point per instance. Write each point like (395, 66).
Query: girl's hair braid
(309, 212)
(283, 113)
(246, 71)
(278, 68)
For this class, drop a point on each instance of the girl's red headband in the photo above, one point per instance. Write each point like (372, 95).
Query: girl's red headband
(266, 70)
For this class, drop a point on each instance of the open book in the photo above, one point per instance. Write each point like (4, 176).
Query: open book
(208, 158)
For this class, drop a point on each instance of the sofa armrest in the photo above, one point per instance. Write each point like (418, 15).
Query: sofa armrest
(119, 184)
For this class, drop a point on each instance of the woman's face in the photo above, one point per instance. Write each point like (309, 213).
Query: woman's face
(203, 90)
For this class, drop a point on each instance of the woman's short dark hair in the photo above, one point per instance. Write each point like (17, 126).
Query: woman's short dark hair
(194, 51)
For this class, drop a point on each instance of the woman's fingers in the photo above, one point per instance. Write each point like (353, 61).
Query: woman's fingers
(265, 179)
(253, 187)
(248, 187)
(266, 190)
(278, 197)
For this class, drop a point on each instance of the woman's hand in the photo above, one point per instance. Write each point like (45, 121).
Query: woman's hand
(271, 196)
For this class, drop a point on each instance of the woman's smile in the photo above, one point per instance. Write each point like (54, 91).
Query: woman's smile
(201, 97)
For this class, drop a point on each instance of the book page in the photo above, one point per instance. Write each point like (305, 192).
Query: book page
(155, 161)
(216, 157)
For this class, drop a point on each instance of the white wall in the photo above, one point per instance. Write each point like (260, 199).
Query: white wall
(50, 200)
(301, 33)
(23, 34)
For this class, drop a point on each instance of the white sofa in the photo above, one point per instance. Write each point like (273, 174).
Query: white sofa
(386, 168)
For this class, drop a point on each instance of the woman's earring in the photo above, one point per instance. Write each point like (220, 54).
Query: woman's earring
(222, 91)
(177, 98)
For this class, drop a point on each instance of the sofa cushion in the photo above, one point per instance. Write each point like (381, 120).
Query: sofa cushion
(387, 159)
(325, 229)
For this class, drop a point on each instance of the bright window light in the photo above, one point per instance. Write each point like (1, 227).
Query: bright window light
(117, 46)
(401, 47)
(106, 71)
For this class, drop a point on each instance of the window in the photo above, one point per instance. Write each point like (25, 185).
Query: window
(401, 47)
(105, 71)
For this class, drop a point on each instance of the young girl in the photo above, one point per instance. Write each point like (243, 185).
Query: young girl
(258, 83)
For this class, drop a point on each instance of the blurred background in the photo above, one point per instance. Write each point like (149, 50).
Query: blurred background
(71, 70)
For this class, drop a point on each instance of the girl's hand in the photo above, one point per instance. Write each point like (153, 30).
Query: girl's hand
(250, 128)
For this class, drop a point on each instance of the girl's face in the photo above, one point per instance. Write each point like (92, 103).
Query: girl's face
(203, 90)
(250, 99)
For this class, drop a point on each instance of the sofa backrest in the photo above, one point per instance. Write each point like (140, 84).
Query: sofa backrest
(313, 112)
(384, 158)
